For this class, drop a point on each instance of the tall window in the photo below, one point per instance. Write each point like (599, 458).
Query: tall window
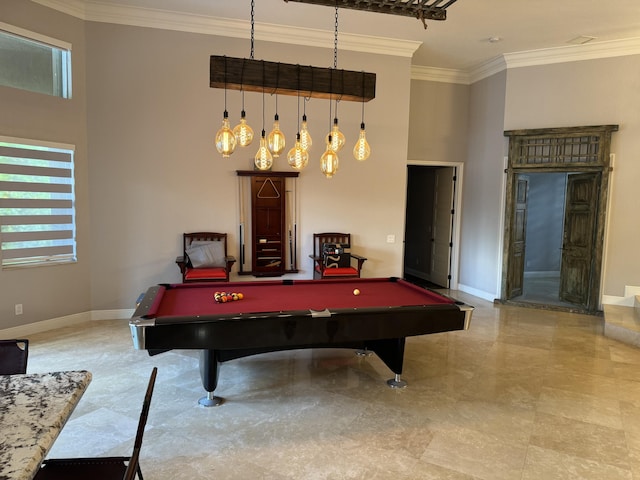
(37, 203)
(34, 62)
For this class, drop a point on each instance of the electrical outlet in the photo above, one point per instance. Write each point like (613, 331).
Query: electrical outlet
(391, 239)
(18, 309)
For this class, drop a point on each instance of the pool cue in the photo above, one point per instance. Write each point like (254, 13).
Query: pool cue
(241, 226)
(295, 242)
(289, 230)
(294, 219)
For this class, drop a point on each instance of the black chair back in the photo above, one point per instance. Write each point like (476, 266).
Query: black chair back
(134, 466)
(13, 356)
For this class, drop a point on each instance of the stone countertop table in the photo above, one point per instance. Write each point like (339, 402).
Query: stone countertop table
(33, 410)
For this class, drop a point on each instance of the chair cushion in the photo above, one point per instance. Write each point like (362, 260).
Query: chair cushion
(205, 273)
(206, 254)
(340, 271)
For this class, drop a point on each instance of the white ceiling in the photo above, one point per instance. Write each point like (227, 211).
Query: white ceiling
(461, 42)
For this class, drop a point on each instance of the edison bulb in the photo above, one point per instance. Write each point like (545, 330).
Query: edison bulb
(305, 136)
(329, 161)
(243, 132)
(263, 159)
(361, 150)
(335, 139)
(298, 157)
(225, 139)
(276, 140)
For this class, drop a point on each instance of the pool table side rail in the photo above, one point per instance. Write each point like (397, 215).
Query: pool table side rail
(294, 328)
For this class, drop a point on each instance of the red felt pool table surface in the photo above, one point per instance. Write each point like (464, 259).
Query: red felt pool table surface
(277, 296)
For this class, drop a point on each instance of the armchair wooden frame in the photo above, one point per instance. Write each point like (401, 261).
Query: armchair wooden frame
(191, 273)
(319, 269)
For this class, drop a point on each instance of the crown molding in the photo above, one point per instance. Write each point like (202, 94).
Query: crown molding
(487, 69)
(75, 8)
(574, 53)
(530, 58)
(444, 75)
(227, 27)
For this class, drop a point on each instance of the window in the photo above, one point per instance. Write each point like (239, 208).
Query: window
(34, 62)
(37, 203)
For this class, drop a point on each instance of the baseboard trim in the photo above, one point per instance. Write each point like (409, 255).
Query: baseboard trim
(66, 321)
(490, 297)
(613, 300)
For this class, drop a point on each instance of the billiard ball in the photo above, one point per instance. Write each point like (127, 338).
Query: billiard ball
(356, 292)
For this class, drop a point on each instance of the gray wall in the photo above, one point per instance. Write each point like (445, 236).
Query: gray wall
(594, 92)
(53, 291)
(482, 210)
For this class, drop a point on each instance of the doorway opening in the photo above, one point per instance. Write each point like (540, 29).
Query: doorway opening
(543, 235)
(432, 224)
(557, 189)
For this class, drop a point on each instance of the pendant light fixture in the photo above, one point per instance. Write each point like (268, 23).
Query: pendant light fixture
(335, 138)
(362, 150)
(305, 137)
(225, 139)
(275, 78)
(243, 132)
(298, 157)
(263, 159)
(329, 159)
(329, 162)
(276, 140)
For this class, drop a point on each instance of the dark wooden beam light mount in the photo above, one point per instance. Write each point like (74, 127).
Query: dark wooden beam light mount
(288, 79)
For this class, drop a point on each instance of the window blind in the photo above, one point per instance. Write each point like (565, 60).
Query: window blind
(37, 204)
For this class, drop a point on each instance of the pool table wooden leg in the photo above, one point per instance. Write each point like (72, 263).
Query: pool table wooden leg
(209, 370)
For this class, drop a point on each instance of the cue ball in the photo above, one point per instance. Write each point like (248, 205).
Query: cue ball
(356, 292)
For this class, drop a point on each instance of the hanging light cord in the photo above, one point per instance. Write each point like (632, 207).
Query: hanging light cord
(335, 55)
(362, 126)
(225, 87)
(252, 15)
(335, 40)
(298, 117)
(263, 132)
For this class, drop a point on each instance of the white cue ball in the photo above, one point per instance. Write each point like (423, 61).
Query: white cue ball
(356, 292)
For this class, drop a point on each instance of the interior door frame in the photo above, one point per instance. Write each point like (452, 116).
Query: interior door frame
(456, 222)
(596, 161)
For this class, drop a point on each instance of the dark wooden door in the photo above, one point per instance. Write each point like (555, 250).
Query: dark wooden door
(268, 225)
(442, 226)
(581, 209)
(515, 278)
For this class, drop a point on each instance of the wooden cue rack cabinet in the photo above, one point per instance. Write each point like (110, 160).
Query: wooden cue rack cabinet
(268, 222)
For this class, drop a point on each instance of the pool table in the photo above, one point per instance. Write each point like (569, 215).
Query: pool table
(291, 314)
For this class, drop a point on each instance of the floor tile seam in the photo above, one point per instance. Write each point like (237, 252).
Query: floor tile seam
(591, 377)
(627, 465)
(574, 418)
(587, 396)
(582, 460)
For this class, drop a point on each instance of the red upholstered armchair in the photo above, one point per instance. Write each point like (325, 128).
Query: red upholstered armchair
(332, 257)
(204, 257)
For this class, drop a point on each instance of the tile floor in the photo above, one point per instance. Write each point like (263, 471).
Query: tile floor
(543, 290)
(524, 394)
